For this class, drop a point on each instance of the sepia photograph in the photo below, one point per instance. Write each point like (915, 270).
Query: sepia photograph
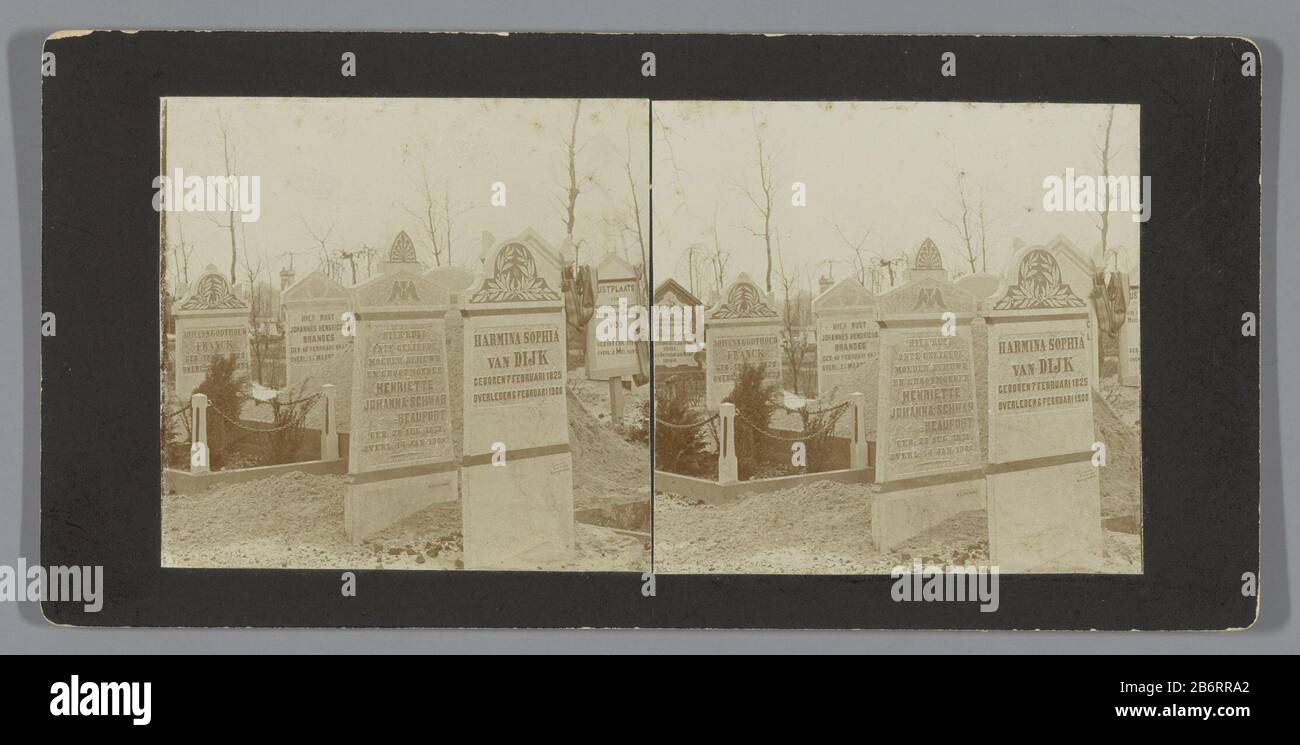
(921, 337)
(374, 352)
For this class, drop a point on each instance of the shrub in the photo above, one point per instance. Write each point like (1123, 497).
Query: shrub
(755, 403)
(679, 449)
(818, 427)
(289, 418)
(225, 392)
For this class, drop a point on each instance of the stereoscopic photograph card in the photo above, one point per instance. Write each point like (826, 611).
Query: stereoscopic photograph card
(559, 330)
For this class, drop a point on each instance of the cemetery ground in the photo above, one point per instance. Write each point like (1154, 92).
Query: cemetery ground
(295, 520)
(824, 527)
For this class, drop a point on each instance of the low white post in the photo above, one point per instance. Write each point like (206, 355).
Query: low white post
(858, 448)
(329, 436)
(727, 468)
(199, 434)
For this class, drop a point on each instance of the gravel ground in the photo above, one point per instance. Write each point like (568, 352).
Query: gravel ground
(295, 521)
(825, 527)
(820, 528)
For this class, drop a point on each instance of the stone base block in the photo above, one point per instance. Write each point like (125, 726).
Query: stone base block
(1046, 520)
(377, 503)
(519, 515)
(899, 511)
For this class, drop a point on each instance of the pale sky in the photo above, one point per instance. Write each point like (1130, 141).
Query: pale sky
(889, 168)
(352, 168)
(355, 164)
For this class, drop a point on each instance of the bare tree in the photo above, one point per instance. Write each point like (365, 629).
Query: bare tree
(857, 256)
(964, 223)
(983, 235)
(635, 202)
(260, 342)
(796, 346)
(575, 188)
(426, 213)
(1103, 211)
(182, 254)
(1103, 226)
(763, 197)
(718, 260)
(229, 153)
(325, 256)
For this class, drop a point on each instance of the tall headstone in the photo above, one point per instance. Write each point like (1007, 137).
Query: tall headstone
(517, 495)
(400, 457)
(1130, 335)
(617, 287)
(211, 321)
(1044, 501)
(677, 309)
(848, 344)
(316, 351)
(928, 463)
(742, 328)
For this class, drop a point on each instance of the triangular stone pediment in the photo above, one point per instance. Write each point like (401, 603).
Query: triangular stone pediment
(401, 286)
(848, 293)
(670, 291)
(1040, 285)
(613, 267)
(314, 286)
(521, 270)
(211, 292)
(925, 298)
(742, 300)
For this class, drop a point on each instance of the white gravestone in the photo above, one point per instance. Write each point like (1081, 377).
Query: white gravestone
(210, 321)
(848, 346)
(928, 463)
(617, 287)
(400, 456)
(517, 509)
(1044, 501)
(316, 351)
(743, 328)
(677, 310)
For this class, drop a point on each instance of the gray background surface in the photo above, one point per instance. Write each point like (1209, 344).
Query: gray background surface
(1274, 26)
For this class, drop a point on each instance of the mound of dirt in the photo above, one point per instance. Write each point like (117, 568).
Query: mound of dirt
(610, 474)
(1121, 478)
